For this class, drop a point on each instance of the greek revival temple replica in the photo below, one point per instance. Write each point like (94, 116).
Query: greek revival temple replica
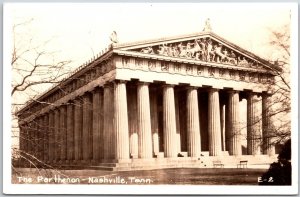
(164, 103)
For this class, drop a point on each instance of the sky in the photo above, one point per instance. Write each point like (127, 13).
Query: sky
(81, 30)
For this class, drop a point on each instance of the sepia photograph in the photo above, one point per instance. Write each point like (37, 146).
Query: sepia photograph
(149, 98)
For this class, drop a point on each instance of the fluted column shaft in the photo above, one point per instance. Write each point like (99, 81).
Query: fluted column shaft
(51, 136)
(121, 121)
(108, 128)
(253, 131)
(63, 133)
(214, 125)
(97, 125)
(70, 131)
(169, 122)
(268, 146)
(193, 125)
(235, 147)
(57, 138)
(46, 136)
(78, 129)
(144, 121)
(87, 141)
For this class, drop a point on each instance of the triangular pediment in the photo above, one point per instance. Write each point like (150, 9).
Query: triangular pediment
(205, 47)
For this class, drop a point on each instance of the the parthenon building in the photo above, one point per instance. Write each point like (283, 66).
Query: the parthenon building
(171, 102)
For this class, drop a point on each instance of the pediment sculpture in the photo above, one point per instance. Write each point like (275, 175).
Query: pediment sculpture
(203, 49)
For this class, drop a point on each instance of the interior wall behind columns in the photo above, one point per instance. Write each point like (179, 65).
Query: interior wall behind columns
(132, 118)
(183, 120)
(243, 124)
(203, 116)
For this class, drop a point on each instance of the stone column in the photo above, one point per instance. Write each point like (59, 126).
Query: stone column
(268, 146)
(46, 137)
(144, 121)
(97, 124)
(57, 138)
(193, 124)
(87, 114)
(51, 137)
(63, 133)
(154, 120)
(78, 129)
(37, 146)
(41, 138)
(121, 121)
(214, 127)
(235, 147)
(169, 119)
(253, 130)
(70, 131)
(108, 128)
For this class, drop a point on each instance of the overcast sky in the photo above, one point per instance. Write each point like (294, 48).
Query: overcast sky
(81, 29)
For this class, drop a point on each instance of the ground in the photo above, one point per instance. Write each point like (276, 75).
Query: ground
(193, 176)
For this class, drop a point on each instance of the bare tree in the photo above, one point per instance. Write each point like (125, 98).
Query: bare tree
(35, 68)
(281, 107)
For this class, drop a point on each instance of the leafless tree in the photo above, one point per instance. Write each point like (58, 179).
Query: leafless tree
(35, 68)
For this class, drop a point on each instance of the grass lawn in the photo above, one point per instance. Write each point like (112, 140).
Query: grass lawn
(183, 176)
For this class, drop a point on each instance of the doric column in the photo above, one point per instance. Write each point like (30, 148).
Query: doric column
(169, 121)
(144, 121)
(108, 127)
(268, 146)
(193, 124)
(214, 127)
(41, 138)
(70, 131)
(46, 136)
(253, 130)
(87, 114)
(154, 120)
(97, 124)
(51, 137)
(235, 147)
(37, 145)
(121, 121)
(78, 129)
(57, 143)
(63, 133)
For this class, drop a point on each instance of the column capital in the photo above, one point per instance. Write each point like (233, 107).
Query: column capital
(212, 90)
(232, 91)
(168, 85)
(108, 84)
(119, 81)
(143, 83)
(191, 88)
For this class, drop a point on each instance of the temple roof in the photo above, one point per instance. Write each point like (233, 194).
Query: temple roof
(225, 52)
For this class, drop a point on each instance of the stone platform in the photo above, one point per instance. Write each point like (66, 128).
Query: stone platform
(205, 161)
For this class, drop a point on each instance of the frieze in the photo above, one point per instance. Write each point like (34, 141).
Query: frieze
(151, 65)
(211, 72)
(189, 69)
(164, 66)
(177, 68)
(242, 75)
(203, 49)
